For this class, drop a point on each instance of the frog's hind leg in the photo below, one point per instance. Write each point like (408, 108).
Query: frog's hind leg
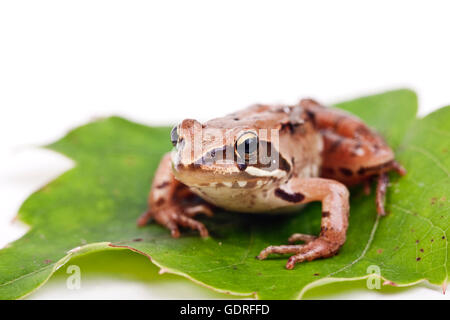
(335, 210)
(353, 153)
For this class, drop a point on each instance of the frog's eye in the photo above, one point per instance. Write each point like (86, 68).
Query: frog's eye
(174, 136)
(247, 145)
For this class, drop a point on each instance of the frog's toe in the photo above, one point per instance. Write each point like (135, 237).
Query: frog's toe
(286, 249)
(306, 238)
(283, 249)
(316, 249)
(188, 222)
(313, 249)
(198, 209)
(173, 217)
(173, 227)
(144, 218)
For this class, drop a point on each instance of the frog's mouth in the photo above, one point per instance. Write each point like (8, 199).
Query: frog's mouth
(225, 173)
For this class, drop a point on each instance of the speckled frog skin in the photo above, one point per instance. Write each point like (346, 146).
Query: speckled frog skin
(271, 159)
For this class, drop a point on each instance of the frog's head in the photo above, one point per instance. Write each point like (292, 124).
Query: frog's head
(227, 153)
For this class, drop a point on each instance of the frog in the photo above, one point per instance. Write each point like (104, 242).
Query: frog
(272, 159)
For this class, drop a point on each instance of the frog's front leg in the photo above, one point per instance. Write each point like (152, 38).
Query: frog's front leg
(335, 211)
(170, 205)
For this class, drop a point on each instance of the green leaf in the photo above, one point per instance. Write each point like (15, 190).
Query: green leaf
(94, 207)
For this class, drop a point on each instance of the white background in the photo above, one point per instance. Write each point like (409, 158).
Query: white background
(64, 62)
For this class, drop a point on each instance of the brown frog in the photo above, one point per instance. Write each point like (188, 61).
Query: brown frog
(271, 159)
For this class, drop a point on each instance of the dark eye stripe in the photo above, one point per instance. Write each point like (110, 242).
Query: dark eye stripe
(214, 155)
(267, 153)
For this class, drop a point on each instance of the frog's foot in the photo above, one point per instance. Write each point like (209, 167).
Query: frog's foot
(334, 223)
(173, 216)
(314, 248)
